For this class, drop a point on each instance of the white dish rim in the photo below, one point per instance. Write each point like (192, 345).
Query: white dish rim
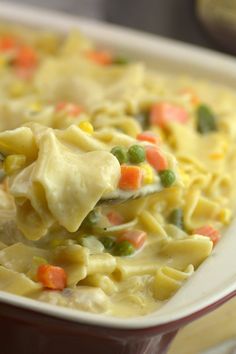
(181, 55)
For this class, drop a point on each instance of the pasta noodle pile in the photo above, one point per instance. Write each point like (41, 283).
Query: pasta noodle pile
(83, 132)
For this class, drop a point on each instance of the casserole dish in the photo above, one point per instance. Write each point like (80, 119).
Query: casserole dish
(65, 330)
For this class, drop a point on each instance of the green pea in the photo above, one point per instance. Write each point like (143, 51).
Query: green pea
(124, 248)
(120, 153)
(206, 121)
(108, 242)
(176, 218)
(167, 178)
(136, 154)
(120, 60)
(92, 218)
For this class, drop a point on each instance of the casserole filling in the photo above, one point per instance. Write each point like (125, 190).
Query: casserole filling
(116, 180)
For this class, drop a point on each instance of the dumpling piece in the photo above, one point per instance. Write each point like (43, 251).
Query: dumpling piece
(61, 185)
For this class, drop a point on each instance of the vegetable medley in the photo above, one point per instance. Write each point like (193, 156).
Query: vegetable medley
(116, 180)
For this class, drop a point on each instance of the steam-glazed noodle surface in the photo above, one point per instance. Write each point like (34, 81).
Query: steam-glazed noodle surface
(81, 126)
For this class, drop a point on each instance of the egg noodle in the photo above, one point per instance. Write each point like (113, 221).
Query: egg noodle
(82, 132)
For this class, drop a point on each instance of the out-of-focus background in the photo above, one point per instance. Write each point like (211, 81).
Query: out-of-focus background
(207, 23)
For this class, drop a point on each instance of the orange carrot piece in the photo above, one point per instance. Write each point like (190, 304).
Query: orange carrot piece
(156, 158)
(148, 136)
(100, 57)
(7, 43)
(131, 177)
(71, 108)
(208, 231)
(26, 57)
(136, 237)
(115, 218)
(52, 277)
(162, 113)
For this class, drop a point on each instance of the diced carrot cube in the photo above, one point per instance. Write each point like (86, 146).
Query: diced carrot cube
(162, 113)
(208, 231)
(74, 110)
(52, 277)
(156, 158)
(136, 237)
(71, 108)
(100, 57)
(148, 136)
(26, 57)
(131, 177)
(60, 106)
(7, 43)
(115, 218)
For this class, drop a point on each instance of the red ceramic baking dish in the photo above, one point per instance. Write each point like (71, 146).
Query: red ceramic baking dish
(31, 327)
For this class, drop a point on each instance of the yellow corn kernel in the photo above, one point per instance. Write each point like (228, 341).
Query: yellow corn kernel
(17, 89)
(216, 155)
(86, 127)
(148, 174)
(35, 107)
(13, 163)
